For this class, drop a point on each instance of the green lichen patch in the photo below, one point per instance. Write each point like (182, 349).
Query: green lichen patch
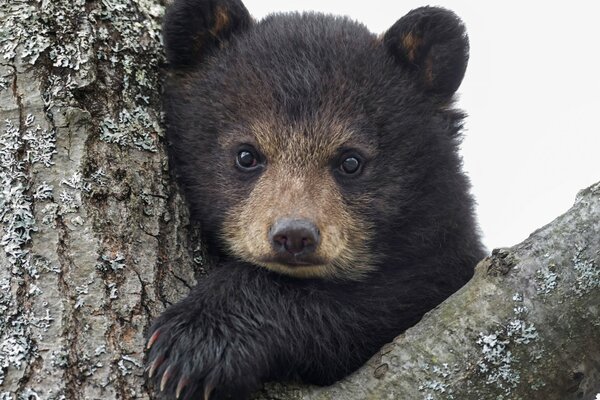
(115, 44)
(438, 384)
(546, 279)
(16, 347)
(137, 129)
(16, 214)
(87, 364)
(40, 143)
(22, 31)
(4, 82)
(59, 358)
(501, 350)
(130, 42)
(111, 262)
(587, 272)
(128, 365)
(43, 192)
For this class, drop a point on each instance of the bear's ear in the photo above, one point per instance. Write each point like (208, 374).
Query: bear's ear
(193, 29)
(432, 43)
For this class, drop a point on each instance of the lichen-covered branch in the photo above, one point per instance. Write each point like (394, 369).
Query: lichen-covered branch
(526, 327)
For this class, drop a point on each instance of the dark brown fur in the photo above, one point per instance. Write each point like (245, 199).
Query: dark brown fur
(303, 93)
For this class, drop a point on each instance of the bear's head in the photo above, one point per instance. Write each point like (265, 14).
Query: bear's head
(307, 145)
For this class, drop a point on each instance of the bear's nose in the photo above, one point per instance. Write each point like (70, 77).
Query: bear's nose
(294, 236)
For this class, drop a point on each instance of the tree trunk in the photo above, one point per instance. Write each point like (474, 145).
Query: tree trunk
(96, 240)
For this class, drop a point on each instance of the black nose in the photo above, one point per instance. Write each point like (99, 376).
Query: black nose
(295, 236)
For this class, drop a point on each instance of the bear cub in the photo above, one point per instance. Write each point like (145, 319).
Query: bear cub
(320, 161)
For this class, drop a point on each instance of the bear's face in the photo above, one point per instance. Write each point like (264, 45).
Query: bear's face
(301, 140)
(297, 214)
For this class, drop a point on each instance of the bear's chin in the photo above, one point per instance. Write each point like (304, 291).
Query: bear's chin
(294, 261)
(301, 269)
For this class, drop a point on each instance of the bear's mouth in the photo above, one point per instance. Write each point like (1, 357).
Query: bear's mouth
(295, 261)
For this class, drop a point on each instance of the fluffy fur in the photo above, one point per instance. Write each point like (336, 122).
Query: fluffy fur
(396, 239)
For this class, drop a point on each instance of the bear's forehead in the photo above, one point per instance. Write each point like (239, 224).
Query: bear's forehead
(306, 142)
(303, 62)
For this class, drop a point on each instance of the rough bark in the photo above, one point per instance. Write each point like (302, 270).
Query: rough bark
(94, 237)
(95, 240)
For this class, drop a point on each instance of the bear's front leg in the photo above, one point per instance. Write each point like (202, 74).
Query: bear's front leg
(215, 343)
(244, 325)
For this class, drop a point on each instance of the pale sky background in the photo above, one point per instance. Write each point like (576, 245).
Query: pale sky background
(532, 92)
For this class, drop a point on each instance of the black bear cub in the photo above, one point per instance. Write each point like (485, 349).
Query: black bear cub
(320, 161)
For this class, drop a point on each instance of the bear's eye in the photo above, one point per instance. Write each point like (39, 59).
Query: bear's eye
(350, 165)
(246, 160)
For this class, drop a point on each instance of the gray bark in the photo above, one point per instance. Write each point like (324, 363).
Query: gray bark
(94, 237)
(96, 241)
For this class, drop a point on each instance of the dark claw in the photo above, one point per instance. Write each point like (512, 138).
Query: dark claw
(155, 364)
(180, 386)
(165, 378)
(152, 339)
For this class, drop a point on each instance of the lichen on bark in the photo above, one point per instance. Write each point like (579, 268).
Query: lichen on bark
(94, 235)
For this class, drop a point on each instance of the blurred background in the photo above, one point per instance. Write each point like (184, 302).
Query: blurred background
(532, 93)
